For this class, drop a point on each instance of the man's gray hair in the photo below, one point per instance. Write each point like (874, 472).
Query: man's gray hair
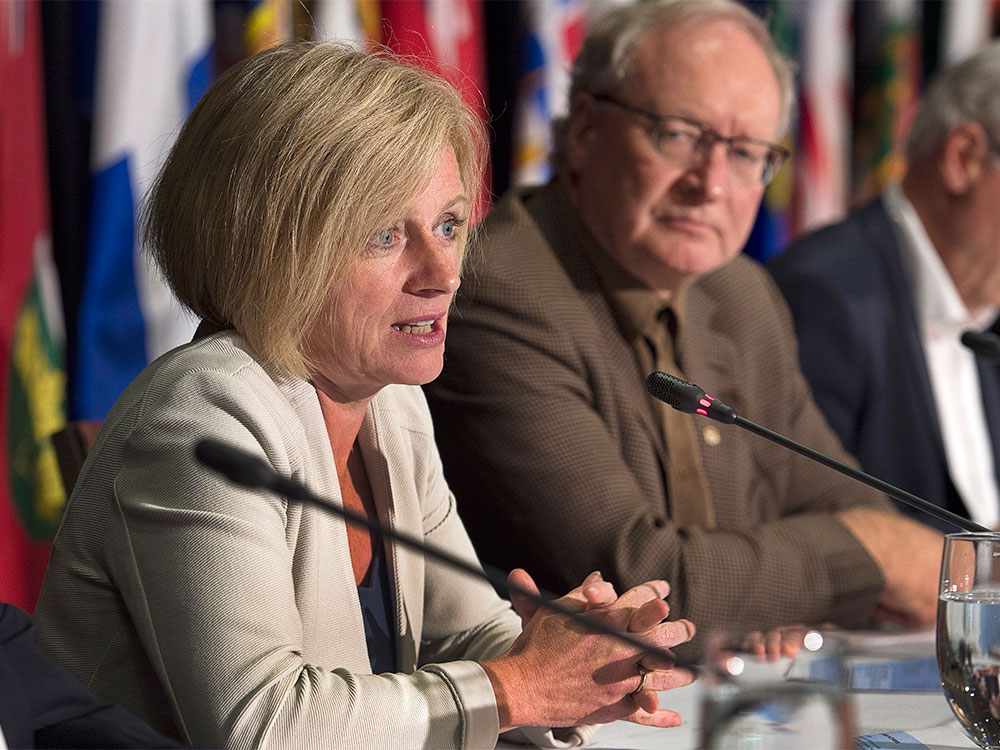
(967, 91)
(605, 59)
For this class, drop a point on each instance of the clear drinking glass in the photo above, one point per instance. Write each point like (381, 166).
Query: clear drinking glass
(968, 633)
(752, 701)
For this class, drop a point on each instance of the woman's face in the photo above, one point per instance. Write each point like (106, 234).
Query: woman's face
(387, 318)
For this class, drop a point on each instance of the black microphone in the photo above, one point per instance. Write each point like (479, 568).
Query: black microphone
(248, 470)
(236, 465)
(985, 344)
(688, 397)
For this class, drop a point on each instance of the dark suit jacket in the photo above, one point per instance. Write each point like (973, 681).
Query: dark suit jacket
(43, 705)
(552, 445)
(860, 349)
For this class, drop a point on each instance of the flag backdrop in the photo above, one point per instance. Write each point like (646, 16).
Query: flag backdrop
(966, 26)
(354, 21)
(153, 64)
(551, 34)
(268, 23)
(446, 36)
(33, 383)
(773, 223)
(887, 84)
(821, 164)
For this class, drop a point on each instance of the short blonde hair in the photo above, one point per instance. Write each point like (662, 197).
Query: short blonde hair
(287, 167)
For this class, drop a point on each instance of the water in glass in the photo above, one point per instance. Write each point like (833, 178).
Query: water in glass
(968, 633)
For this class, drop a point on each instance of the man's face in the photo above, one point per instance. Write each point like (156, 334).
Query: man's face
(664, 222)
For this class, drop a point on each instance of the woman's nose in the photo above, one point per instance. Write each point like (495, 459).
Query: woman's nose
(435, 268)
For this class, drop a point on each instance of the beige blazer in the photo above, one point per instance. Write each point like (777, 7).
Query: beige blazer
(230, 617)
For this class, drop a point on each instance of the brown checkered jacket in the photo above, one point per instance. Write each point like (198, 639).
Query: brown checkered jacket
(554, 451)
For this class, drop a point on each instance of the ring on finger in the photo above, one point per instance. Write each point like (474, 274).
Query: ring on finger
(642, 678)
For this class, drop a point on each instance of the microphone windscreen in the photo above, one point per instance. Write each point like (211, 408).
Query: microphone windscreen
(687, 397)
(671, 390)
(985, 344)
(235, 464)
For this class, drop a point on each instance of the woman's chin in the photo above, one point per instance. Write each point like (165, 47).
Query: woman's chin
(420, 373)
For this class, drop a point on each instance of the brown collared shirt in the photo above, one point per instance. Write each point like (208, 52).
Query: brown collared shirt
(651, 326)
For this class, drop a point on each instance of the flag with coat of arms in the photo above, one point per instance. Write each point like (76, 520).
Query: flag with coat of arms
(32, 374)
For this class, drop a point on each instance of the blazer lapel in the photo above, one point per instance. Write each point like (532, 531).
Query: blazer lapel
(989, 383)
(572, 244)
(900, 309)
(16, 716)
(405, 567)
(704, 349)
(339, 610)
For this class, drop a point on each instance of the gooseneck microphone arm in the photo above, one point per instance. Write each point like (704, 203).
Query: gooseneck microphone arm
(248, 470)
(689, 398)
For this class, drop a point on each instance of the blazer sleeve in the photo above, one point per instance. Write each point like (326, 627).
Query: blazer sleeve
(463, 617)
(43, 705)
(209, 574)
(539, 470)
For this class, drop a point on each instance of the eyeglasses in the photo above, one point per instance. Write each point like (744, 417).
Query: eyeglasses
(684, 141)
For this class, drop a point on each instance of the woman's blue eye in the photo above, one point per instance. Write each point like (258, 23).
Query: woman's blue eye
(449, 227)
(385, 238)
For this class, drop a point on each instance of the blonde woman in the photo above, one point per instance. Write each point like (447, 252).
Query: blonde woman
(314, 212)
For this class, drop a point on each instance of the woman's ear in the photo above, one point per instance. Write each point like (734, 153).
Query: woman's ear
(963, 157)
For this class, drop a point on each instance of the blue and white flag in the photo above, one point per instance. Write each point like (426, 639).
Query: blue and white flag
(552, 32)
(153, 64)
(345, 20)
(551, 36)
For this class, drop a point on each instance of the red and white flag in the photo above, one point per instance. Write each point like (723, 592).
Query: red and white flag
(448, 37)
(822, 160)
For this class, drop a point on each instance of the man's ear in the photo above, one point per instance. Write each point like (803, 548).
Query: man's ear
(963, 157)
(581, 127)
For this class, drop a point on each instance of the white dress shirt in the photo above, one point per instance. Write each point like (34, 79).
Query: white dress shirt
(942, 317)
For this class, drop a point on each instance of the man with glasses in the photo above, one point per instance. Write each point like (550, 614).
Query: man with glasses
(882, 299)
(628, 262)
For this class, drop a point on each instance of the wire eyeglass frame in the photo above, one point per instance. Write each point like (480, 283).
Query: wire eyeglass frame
(750, 160)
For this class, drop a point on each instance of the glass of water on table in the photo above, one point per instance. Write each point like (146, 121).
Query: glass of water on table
(785, 690)
(968, 633)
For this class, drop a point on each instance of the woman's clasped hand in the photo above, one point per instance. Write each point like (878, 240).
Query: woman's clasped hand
(559, 672)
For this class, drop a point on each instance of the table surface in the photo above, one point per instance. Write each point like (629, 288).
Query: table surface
(923, 715)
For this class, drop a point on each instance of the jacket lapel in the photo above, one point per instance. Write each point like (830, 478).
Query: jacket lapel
(338, 618)
(405, 567)
(573, 244)
(882, 240)
(989, 380)
(705, 349)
